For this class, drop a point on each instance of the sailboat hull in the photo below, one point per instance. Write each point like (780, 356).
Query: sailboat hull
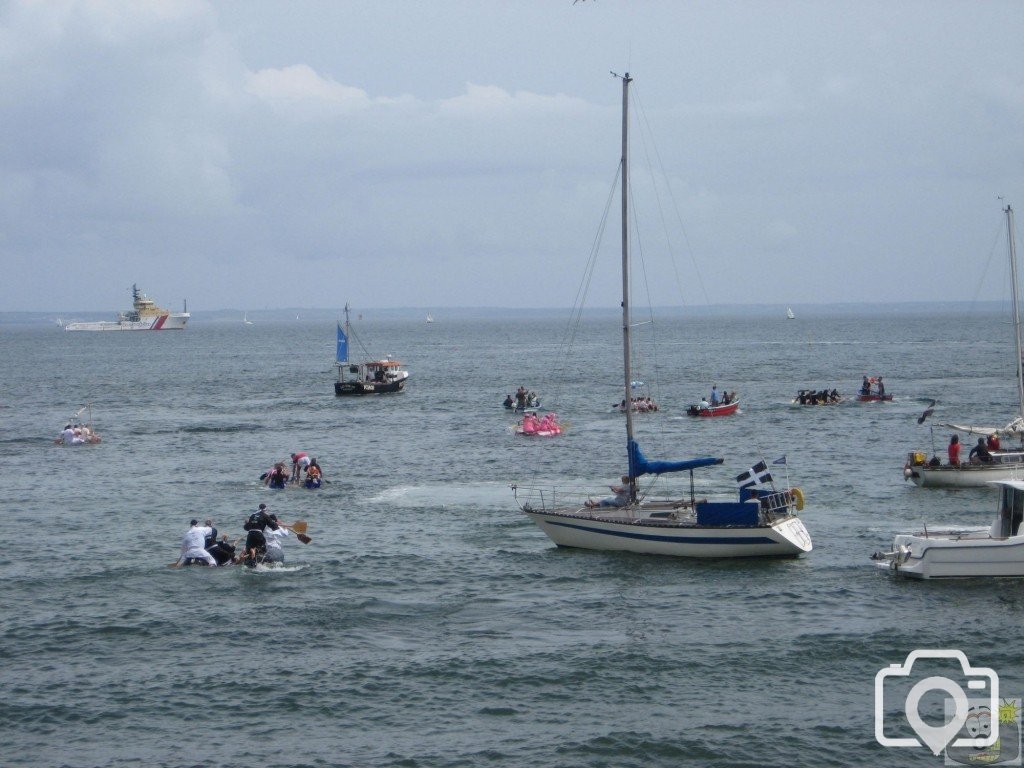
(785, 538)
(964, 476)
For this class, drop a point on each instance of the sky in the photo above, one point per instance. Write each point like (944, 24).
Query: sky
(253, 154)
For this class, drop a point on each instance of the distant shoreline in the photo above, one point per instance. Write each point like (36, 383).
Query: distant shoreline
(440, 314)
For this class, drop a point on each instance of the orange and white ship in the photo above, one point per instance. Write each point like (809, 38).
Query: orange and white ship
(144, 316)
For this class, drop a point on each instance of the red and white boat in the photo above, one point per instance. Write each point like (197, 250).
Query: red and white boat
(144, 316)
(726, 409)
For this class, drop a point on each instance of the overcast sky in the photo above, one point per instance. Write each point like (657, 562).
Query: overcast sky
(428, 154)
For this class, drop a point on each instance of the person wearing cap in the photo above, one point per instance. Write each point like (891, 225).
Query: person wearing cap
(256, 541)
(300, 462)
(275, 554)
(193, 545)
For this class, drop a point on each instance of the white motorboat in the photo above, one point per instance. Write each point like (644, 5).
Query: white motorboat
(145, 315)
(997, 550)
(1004, 464)
(761, 522)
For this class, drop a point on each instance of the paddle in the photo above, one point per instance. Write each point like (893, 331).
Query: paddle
(299, 526)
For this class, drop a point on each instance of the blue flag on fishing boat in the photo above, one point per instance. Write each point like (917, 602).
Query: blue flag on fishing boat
(342, 346)
(641, 465)
(756, 475)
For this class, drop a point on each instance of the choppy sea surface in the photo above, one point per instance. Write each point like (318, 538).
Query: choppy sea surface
(429, 623)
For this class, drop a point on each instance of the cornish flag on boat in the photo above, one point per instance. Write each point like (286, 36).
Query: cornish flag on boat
(756, 475)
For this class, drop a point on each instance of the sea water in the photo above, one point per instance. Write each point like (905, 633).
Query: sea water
(429, 623)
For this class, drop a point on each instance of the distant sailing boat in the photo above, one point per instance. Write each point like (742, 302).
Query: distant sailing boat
(430, 318)
(246, 320)
(761, 522)
(789, 314)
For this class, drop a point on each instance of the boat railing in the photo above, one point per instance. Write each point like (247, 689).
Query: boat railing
(777, 504)
(536, 498)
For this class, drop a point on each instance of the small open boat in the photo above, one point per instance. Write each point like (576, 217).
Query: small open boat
(726, 409)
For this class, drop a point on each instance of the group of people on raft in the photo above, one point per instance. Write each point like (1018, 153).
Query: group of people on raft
(979, 454)
(812, 397)
(200, 545)
(77, 434)
(522, 400)
(637, 405)
(547, 425)
(302, 463)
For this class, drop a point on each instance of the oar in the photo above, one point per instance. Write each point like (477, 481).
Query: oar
(299, 526)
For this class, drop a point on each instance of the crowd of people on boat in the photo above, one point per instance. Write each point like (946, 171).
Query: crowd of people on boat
(263, 535)
(726, 398)
(523, 399)
(865, 387)
(546, 425)
(818, 397)
(77, 434)
(637, 405)
(278, 476)
(981, 453)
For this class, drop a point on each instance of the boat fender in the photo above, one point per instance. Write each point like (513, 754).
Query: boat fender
(907, 472)
(798, 498)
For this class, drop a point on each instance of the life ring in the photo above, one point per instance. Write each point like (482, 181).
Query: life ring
(798, 498)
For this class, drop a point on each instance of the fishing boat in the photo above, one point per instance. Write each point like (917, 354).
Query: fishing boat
(145, 315)
(371, 377)
(1005, 464)
(761, 523)
(997, 550)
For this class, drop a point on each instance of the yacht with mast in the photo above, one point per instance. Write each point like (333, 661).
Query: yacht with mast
(1004, 463)
(763, 522)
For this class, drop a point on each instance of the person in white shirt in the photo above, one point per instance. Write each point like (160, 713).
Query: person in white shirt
(68, 436)
(275, 554)
(193, 544)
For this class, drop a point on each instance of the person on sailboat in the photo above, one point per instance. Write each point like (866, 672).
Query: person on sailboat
(620, 499)
(992, 442)
(954, 451)
(979, 454)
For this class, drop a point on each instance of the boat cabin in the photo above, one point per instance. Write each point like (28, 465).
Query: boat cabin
(1011, 509)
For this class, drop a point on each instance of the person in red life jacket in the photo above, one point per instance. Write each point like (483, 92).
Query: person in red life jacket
(993, 442)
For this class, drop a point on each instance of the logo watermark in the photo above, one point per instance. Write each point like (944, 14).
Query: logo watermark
(974, 726)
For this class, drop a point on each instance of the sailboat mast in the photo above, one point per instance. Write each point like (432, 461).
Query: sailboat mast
(1016, 306)
(626, 321)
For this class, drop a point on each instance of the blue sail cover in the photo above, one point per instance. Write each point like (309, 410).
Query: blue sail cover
(639, 465)
(342, 346)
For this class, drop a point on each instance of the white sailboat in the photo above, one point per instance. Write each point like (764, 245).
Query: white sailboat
(430, 318)
(761, 523)
(1005, 464)
(789, 314)
(246, 320)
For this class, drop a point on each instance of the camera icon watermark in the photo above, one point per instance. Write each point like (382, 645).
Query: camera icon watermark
(982, 682)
